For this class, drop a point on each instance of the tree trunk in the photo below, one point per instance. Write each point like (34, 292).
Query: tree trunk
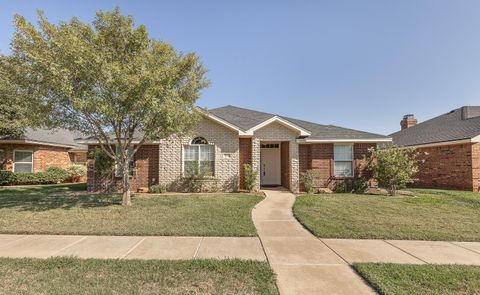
(393, 190)
(126, 200)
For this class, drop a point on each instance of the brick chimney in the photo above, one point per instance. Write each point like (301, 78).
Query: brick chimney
(408, 121)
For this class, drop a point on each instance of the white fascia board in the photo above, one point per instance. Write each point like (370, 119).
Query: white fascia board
(223, 122)
(475, 139)
(282, 121)
(341, 140)
(22, 141)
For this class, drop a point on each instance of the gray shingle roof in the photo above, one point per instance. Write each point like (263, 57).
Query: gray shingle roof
(461, 123)
(246, 119)
(62, 137)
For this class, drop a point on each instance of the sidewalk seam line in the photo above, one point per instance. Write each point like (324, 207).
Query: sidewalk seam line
(404, 251)
(323, 242)
(133, 248)
(68, 246)
(198, 248)
(464, 247)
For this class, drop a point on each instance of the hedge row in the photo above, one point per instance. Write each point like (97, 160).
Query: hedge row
(50, 176)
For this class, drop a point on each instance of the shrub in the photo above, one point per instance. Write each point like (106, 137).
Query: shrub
(359, 186)
(393, 167)
(76, 171)
(340, 188)
(34, 178)
(201, 181)
(6, 177)
(56, 174)
(308, 178)
(157, 189)
(104, 165)
(250, 177)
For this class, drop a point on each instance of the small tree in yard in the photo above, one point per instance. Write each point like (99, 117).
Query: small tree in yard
(393, 167)
(108, 80)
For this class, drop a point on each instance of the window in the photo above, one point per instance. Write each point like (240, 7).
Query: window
(343, 157)
(131, 164)
(22, 161)
(198, 157)
(2, 160)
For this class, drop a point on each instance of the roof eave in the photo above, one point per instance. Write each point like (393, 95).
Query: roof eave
(345, 140)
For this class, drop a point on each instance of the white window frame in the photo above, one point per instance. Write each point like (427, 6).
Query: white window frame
(22, 151)
(351, 161)
(198, 146)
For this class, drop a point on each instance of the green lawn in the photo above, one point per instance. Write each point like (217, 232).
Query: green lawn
(57, 210)
(421, 279)
(430, 215)
(93, 276)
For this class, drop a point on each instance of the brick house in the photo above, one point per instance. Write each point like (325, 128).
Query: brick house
(448, 146)
(40, 149)
(279, 148)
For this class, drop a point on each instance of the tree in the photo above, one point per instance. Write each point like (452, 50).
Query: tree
(108, 80)
(14, 113)
(393, 167)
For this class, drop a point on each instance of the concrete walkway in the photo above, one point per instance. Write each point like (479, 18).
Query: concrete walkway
(125, 247)
(307, 265)
(303, 263)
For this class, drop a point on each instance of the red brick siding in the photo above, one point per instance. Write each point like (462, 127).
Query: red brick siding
(449, 166)
(285, 164)
(319, 157)
(43, 156)
(147, 170)
(245, 146)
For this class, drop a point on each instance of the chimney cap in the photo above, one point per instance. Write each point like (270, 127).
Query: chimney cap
(408, 116)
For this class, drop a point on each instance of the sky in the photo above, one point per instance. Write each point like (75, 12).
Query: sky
(356, 64)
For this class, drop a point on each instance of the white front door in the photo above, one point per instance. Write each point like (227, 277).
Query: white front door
(270, 167)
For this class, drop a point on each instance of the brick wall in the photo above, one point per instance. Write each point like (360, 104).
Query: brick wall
(285, 164)
(146, 170)
(449, 166)
(319, 157)
(227, 158)
(245, 146)
(43, 156)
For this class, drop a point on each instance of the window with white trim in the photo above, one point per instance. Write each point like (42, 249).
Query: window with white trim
(343, 160)
(198, 157)
(22, 161)
(2, 159)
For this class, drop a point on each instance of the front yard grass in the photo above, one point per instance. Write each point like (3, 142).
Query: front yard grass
(56, 209)
(421, 279)
(430, 215)
(92, 276)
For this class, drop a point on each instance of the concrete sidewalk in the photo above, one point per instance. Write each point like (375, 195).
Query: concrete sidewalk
(126, 247)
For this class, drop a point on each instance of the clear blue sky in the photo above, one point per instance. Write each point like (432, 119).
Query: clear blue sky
(358, 64)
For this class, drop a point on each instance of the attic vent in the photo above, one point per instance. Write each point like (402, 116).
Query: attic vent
(469, 112)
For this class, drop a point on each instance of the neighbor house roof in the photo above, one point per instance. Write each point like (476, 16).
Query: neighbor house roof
(246, 119)
(460, 124)
(55, 137)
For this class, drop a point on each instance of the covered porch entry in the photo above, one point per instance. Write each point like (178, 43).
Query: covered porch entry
(275, 164)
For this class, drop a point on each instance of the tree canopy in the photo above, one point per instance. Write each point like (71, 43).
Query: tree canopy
(108, 80)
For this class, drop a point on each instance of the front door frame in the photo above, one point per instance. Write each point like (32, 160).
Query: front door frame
(273, 163)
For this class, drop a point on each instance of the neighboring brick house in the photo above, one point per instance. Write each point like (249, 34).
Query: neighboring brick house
(40, 149)
(279, 148)
(448, 148)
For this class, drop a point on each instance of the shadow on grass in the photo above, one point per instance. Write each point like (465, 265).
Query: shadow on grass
(43, 198)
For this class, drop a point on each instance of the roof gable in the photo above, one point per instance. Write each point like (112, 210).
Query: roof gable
(248, 120)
